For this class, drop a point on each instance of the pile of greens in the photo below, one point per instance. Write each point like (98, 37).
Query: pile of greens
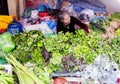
(65, 51)
(26, 43)
(47, 53)
(99, 23)
(115, 15)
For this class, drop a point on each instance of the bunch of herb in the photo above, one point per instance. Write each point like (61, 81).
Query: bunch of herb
(99, 24)
(26, 43)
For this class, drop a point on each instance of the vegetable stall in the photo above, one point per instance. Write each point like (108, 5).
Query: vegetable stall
(35, 56)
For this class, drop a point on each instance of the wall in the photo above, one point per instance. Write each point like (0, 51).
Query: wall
(16, 7)
(112, 5)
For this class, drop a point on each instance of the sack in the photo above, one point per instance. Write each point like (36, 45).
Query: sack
(86, 14)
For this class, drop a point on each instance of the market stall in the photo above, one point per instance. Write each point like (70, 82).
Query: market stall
(32, 53)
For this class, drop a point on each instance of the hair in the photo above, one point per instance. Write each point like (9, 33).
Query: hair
(62, 14)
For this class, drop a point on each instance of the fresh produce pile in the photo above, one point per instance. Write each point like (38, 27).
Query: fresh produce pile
(115, 15)
(60, 52)
(98, 24)
(47, 53)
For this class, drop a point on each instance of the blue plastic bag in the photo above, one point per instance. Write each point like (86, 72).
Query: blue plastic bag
(43, 7)
(52, 24)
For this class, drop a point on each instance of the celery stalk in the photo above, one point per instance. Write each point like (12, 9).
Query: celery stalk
(16, 64)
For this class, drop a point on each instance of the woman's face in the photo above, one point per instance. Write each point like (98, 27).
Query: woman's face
(66, 19)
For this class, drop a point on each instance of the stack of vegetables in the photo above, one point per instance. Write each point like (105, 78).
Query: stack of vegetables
(47, 53)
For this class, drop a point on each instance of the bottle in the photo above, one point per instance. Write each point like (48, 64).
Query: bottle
(15, 27)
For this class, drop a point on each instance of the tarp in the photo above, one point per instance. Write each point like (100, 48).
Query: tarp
(95, 5)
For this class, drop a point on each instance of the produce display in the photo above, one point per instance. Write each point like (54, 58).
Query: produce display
(57, 53)
(48, 54)
(98, 24)
(115, 15)
(24, 75)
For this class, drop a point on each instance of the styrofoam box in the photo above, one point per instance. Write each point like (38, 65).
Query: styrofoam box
(8, 68)
(42, 27)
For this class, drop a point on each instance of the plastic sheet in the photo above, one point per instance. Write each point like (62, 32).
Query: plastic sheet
(95, 5)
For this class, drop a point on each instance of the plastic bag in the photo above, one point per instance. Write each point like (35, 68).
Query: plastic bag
(6, 43)
(43, 7)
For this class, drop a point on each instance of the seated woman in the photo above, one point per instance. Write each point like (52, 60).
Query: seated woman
(66, 23)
